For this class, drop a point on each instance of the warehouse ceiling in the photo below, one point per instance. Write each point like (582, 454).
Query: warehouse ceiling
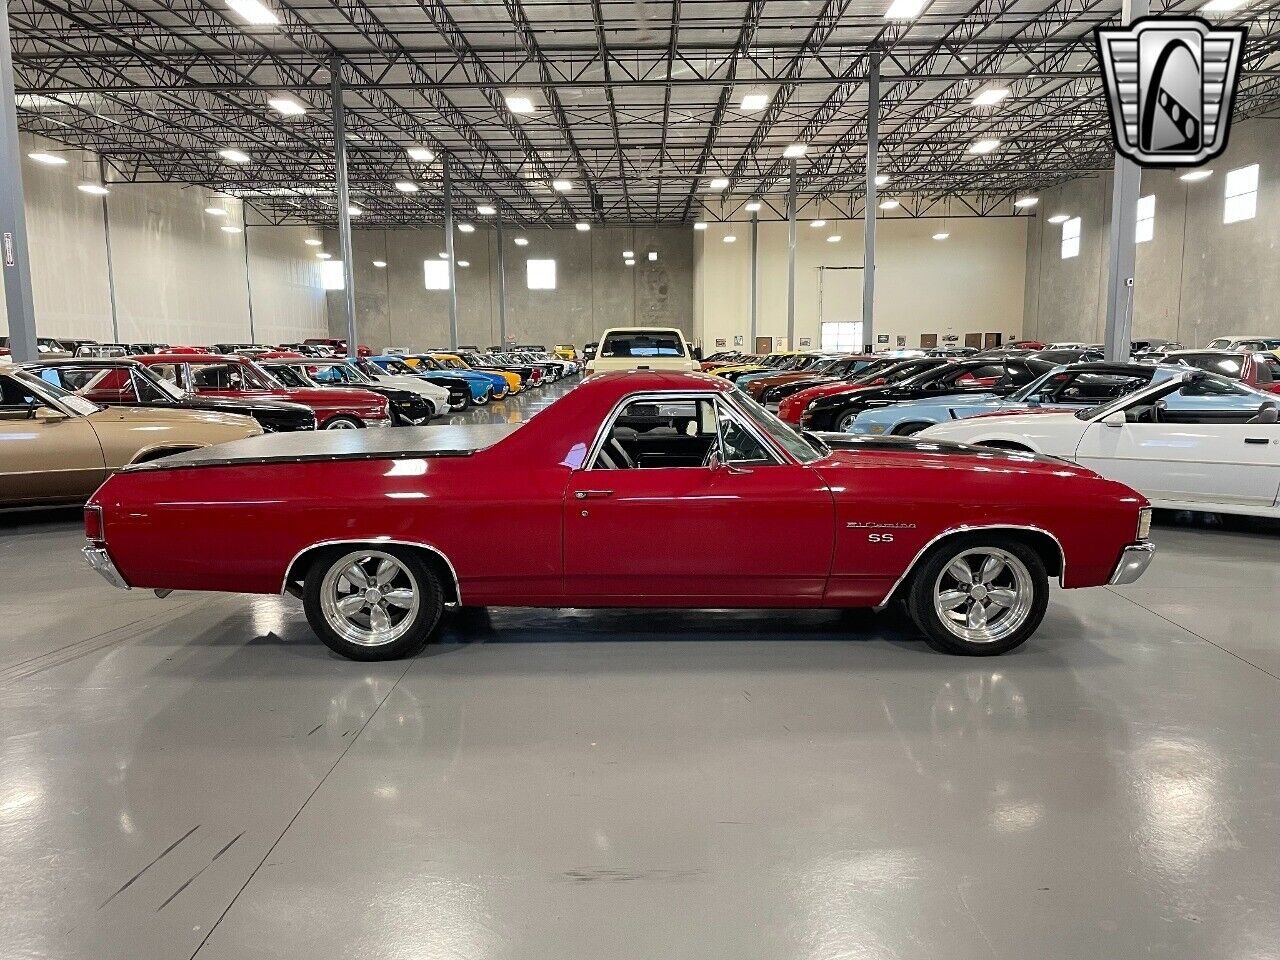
(634, 106)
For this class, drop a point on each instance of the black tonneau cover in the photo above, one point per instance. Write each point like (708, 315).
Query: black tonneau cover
(383, 443)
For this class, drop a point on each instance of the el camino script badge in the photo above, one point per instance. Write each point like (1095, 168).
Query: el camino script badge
(858, 525)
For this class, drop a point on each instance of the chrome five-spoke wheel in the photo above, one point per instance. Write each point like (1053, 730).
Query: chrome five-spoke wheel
(372, 602)
(980, 593)
(983, 595)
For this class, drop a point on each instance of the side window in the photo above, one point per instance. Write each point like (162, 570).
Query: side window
(739, 445)
(659, 432)
(1212, 387)
(167, 371)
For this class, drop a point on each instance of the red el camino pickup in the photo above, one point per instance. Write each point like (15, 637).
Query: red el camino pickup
(636, 489)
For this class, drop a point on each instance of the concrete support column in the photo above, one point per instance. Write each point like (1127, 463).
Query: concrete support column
(15, 257)
(755, 264)
(869, 237)
(1123, 254)
(502, 286)
(344, 202)
(448, 249)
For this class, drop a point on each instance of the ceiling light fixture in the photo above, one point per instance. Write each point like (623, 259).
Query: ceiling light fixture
(1022, 203)
(1195, 176)
(406, 186)
(582, 226)
(753, 206)
(443, 255)
(324, 256)
(48, 159)
(520, 104)
(834, 238)
(795, 150)
(889, 204)
(630, 263)
(312, 242)
(989, 98)
(94, 188)
(230, 229)
(719, 183)
(700, 225)
(905, 9)
(253, 13)
(561, 186)
(287, 105)
(881, 179)
(729, 238)
(215, 211)
(467, 227)
(628, 254)
(464, 263)
(1059, 218)
(817, 223)
(354, 211)
(941, 235)
(754, 101)
(653, 256)
(982, 147)
(522, 241)
(421, 154)
(484, 210)
(234, 156)
(379, 264)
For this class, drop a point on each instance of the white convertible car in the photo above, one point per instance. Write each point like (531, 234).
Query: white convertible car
(1217, 448)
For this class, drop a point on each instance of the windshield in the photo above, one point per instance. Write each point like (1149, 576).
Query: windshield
(30, 389)
(291, 376)
(1080, 386)
(398, 367)
(169, 390)
(794, 443)
(1231, 366)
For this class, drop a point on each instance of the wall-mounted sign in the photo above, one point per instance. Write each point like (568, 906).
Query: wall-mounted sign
(882, 338)
(950, 338)
(902, 341)
(806, 342)
(9, 259)
(737, 341)
(721, 342)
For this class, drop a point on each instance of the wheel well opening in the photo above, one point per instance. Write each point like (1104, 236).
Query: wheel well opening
(1004, 445)
(1044, 545)
(155, 454)
(911, 426)
(301, 566)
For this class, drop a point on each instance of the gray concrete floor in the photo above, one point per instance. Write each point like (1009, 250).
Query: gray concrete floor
(200, 777)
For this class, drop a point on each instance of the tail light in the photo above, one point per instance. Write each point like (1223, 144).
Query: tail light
(93, 524)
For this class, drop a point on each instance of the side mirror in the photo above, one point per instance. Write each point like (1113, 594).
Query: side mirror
(1115, 418)
(49, 415)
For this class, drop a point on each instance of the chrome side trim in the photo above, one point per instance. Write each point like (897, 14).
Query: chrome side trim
(371, 541)
(98, 558)
(967, 528)
(1134, 560)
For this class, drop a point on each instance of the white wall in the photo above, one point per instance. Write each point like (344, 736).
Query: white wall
(178, 276)
(973, 282)
(1195, 279)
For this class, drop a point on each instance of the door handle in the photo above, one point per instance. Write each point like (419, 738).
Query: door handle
(1262, 440)
(593, 494)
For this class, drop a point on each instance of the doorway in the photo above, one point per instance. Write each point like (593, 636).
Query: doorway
(928, 341)
(991, 340)
(973, 340)
(764, 345)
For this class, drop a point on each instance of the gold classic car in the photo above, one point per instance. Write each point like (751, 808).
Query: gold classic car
(56, 447)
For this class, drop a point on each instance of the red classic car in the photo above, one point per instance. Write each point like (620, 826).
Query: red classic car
(216, 375)
(637, 489)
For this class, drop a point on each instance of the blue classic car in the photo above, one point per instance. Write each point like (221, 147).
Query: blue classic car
(1070, 387)
(480, 389)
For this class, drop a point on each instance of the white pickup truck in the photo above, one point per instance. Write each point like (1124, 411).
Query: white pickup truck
(643, 348)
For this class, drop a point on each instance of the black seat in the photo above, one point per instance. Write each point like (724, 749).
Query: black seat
(614, 456)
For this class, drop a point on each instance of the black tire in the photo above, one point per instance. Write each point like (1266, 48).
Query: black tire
(1029, 587)
(844, 423)
(342, 422)
(410, 633)
(908, 429)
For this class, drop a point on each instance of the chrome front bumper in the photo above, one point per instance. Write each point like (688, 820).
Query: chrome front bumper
(98, 558)
(1134, 560)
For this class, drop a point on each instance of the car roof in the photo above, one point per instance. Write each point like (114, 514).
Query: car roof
(82, 361)
(1104, 366)
(623, 382)
(187, 357)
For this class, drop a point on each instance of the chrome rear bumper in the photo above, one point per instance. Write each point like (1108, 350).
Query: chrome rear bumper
(100, 560)
(1134, 560)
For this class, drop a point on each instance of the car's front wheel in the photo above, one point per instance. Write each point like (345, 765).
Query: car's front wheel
(342, 422)
(979, 595)
(370, 603)
(844, 424)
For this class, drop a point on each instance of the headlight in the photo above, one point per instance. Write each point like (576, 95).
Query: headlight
(1144, 523)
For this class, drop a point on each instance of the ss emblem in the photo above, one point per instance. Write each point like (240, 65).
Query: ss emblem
(880, 537)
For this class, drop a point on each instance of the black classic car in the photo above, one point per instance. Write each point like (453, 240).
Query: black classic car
(120, 381)
(886, 370)
(996, 375)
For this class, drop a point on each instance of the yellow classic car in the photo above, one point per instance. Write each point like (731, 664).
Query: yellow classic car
(566, 351)
(766, 363)
(452, 360)
(56, 447)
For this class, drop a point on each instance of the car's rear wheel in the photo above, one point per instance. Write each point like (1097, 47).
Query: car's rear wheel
(979, 595)
(370, 603)
(342, 422)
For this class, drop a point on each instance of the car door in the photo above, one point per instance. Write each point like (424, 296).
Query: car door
(1200, 450)
(751, 529)
(46, 454)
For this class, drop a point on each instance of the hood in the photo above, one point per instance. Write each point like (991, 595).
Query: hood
(848, 450)
(258, 404)
(1026, 412)
(141, 415)
(337, 396)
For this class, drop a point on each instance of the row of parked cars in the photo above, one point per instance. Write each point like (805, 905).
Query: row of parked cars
(68, 421)
(1191, 429)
